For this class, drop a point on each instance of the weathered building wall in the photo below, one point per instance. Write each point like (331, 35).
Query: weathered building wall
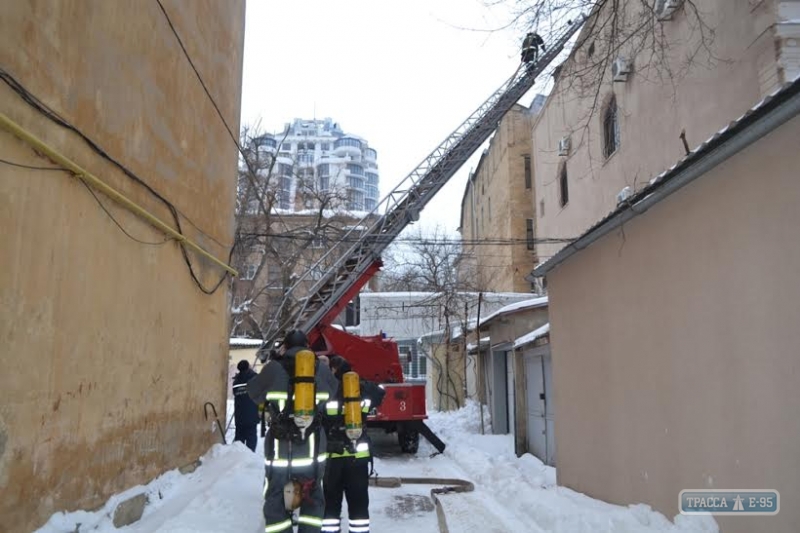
(109, 349)
(697, 88)
(675, 346)
(496, 206)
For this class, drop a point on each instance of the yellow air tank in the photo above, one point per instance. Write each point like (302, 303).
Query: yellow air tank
(304, 388)
(352, 405)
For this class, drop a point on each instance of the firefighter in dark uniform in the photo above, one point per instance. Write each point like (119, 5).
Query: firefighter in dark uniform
(294, 456)
(348, 467)
(530, 47)
(245, 412)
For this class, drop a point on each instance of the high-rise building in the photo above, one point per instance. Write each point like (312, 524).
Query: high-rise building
(319, 156)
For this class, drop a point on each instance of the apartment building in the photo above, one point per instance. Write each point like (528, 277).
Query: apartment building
(498, 225)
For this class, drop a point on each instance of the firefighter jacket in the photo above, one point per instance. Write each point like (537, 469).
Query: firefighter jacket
(273, 387)
(338, 443)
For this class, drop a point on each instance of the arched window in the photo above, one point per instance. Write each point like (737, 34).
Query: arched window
(610, 127)
(563, 185)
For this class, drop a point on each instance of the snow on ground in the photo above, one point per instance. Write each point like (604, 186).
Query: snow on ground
(512, 494)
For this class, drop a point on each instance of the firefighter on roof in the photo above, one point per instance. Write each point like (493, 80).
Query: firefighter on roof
(294, 388)
(349, 458)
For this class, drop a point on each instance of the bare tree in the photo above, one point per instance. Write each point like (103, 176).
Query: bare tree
(429, 262)
(637, 32)
(286, 217)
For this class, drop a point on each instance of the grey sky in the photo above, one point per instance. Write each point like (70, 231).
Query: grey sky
(403, 74)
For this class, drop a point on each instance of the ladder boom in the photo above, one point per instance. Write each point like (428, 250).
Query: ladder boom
(360, 248)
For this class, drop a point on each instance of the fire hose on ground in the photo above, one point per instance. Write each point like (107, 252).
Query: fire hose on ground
(446, 486)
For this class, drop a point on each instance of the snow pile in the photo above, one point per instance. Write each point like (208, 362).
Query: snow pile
(522, 490)
(512, 494)
(223, 495)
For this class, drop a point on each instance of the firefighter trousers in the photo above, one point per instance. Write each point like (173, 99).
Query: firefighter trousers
(294, 461)
(276, 517)
(346, 477)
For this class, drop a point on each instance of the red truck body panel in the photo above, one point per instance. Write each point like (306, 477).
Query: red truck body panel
(376, 359)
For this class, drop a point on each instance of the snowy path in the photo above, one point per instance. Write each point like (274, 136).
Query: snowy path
(511, 494)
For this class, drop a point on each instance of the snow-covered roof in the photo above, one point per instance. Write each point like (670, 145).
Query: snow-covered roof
(733, 129)
(528, 338)
(242, 342)
(472, 346)
(518, 306)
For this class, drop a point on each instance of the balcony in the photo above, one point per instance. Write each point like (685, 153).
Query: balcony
(347, 146)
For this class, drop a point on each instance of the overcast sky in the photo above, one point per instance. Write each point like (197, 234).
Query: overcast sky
(402, 74)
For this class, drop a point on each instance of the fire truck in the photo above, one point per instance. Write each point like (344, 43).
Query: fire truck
(357, 257)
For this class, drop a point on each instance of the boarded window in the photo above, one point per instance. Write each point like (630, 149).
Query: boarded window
(563, 185)
(611, 135)
(529, 233)
(527, 172)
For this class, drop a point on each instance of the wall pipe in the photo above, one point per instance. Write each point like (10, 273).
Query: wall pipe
(42, 147)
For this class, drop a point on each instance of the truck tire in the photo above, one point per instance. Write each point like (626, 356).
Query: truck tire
(408, 439)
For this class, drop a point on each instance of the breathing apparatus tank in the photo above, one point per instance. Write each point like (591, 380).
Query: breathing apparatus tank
(304, 394)
(351, 389)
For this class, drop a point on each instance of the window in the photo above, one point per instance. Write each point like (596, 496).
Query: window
(347, 141)
(326, 147)
(590, 51)
(610, 128)
(541, 208)
(324, 183)
(274, 276)
(490, 209)
(529, 233)
(414, 365)
(355, 200)
(286, 147)
(527, 172)
(563, 185)
(249, 272)
(284, 169)
(357, 170)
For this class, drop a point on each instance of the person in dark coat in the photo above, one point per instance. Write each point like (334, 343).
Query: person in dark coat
(292, 456)
(245, 412)
(347, 472)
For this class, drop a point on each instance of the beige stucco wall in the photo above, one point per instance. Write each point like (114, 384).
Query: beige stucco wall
(447, 385)
(495, 207)
(721, 83)
(109, 350)
(675, 347)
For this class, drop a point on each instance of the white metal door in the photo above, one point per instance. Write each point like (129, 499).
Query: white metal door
(537, 423)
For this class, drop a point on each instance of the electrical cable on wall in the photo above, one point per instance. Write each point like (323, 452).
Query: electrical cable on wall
(45, 110)
(88, 188)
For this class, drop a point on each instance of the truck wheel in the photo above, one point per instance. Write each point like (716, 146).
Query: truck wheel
(409, 440)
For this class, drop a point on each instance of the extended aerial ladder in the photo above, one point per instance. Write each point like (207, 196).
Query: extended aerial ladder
(356, 257)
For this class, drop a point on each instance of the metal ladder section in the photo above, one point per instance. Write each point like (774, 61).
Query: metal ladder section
(362, 245)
